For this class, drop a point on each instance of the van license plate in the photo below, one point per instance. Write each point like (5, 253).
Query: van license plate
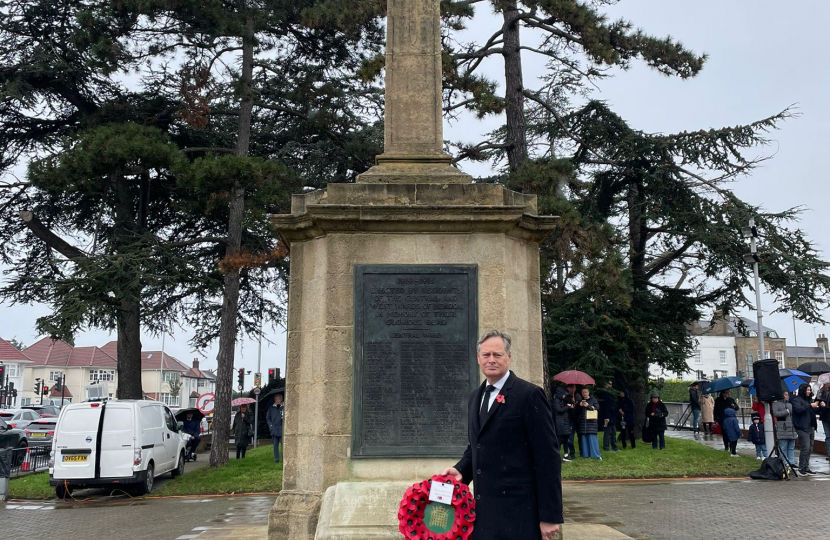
(74, 458)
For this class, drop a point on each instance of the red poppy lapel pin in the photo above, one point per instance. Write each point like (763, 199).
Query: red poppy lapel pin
(500, 398)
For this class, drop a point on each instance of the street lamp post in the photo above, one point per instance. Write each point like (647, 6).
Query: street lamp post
(751, 232)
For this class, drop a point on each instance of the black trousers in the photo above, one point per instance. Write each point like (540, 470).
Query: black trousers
(240, 450)
(628, 433)
(733, 446)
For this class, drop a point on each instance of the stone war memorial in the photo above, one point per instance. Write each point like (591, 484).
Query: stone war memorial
(393, 279)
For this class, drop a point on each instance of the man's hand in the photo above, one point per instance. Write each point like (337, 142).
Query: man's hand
(452, 471)
(549, 530)
(606, 421)
(621, 412)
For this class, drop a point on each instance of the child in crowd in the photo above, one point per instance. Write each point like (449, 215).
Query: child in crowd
(731, 431)
(756, 436)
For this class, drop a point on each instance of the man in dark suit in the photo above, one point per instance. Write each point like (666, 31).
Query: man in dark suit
(512, 456)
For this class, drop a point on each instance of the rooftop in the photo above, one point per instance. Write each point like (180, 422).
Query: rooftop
(806, 352)
(10, 352)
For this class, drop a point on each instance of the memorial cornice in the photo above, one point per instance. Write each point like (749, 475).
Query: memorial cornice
(322, 219)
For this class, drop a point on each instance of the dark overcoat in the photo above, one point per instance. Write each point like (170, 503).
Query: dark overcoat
(513, 462)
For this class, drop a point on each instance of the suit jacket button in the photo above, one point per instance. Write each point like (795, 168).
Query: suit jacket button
(478, 471)
(478, 446)
(478, 497)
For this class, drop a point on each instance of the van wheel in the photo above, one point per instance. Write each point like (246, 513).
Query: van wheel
(63, 491)
(179, 470)
(146, 487)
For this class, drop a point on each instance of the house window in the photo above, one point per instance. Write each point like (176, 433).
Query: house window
(11, 371)
(722, 355)
(201, 383)
(170, 376)
(779, 356)
(170, 401)
(698, 360)
(766, 354)
(55, 375)
(101, 375)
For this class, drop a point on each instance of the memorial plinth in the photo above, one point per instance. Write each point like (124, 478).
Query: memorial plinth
(397, 279)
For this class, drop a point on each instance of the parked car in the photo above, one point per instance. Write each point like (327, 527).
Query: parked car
(40, 432)
(11, 437)
(45, 411)
(19, 418)
(115, 443)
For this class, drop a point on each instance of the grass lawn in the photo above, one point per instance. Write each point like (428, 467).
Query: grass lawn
(680, 459)
(256, 473)
(33, 486)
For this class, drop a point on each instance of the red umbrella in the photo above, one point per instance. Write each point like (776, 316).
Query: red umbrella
(242, 401)
(573, 376)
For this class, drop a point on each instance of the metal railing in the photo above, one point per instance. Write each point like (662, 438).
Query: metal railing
(26, 460)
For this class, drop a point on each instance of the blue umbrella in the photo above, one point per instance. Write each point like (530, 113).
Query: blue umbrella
(724, 383)
(789, 383)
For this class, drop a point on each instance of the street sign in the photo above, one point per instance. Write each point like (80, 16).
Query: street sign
(257, 379)
(205, 403)
(257, 390)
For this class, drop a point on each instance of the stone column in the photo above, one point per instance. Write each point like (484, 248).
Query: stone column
(413, 128)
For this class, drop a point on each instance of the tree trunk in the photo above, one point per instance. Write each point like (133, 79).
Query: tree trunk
(637, 224)
(230, 301)
(514, 86)
(128, 318)
(128, 321)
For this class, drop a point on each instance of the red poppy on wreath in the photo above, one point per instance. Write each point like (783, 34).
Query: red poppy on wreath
(422, 519)
(500, 398)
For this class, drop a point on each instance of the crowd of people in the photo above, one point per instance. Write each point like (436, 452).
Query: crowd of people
(579, 417)
(794, 418)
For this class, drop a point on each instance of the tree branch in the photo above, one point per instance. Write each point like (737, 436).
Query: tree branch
(52, 240)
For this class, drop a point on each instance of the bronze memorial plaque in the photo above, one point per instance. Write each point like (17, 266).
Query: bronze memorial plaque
(415, 359)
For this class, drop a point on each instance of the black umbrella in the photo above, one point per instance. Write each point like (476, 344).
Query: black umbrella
(748, 383)
(181, 416)
(273, 392)
(815, 368)
(700, 382)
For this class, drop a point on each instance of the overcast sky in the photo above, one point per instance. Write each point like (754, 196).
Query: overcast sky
(763, 57)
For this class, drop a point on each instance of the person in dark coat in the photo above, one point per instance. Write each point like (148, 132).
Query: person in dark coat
(512, 456)
(731, 430)
(274, 418)
(608, 418)
(656, 414)
(588, 425)
(562, 405)
(823, 396)
(694, 403)
(574, 417)
(242, 435)
(804, 418)
(192, 427)
(625, 411)
(722, 403)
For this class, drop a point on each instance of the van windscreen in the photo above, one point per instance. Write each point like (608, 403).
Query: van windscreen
(80, 420)
(118, 419)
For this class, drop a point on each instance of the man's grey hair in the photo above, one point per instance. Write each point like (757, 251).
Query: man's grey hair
(495, 333)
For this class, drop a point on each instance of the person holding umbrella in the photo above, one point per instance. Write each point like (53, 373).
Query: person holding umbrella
(804, 418)
(722, 403)
(242, 433)
(824, 412)
(192, 426)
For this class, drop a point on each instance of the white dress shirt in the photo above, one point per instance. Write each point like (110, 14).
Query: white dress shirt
(498, 384)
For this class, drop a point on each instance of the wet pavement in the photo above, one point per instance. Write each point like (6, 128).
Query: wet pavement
(176, 518)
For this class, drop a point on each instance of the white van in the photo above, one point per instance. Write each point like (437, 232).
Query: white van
(115, 443)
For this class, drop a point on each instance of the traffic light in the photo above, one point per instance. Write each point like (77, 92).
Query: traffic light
(272, 375)
(58, 383)
(38, 384)
(240, 378)
(2, 375)
(45, 390)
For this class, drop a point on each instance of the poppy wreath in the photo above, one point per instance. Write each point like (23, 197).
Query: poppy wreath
(414, 504)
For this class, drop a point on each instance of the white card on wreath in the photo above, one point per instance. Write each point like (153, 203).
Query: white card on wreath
(441, 493)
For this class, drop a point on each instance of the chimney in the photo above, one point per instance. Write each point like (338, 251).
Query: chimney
(720, 327)
(195, 363)
(822, 341)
